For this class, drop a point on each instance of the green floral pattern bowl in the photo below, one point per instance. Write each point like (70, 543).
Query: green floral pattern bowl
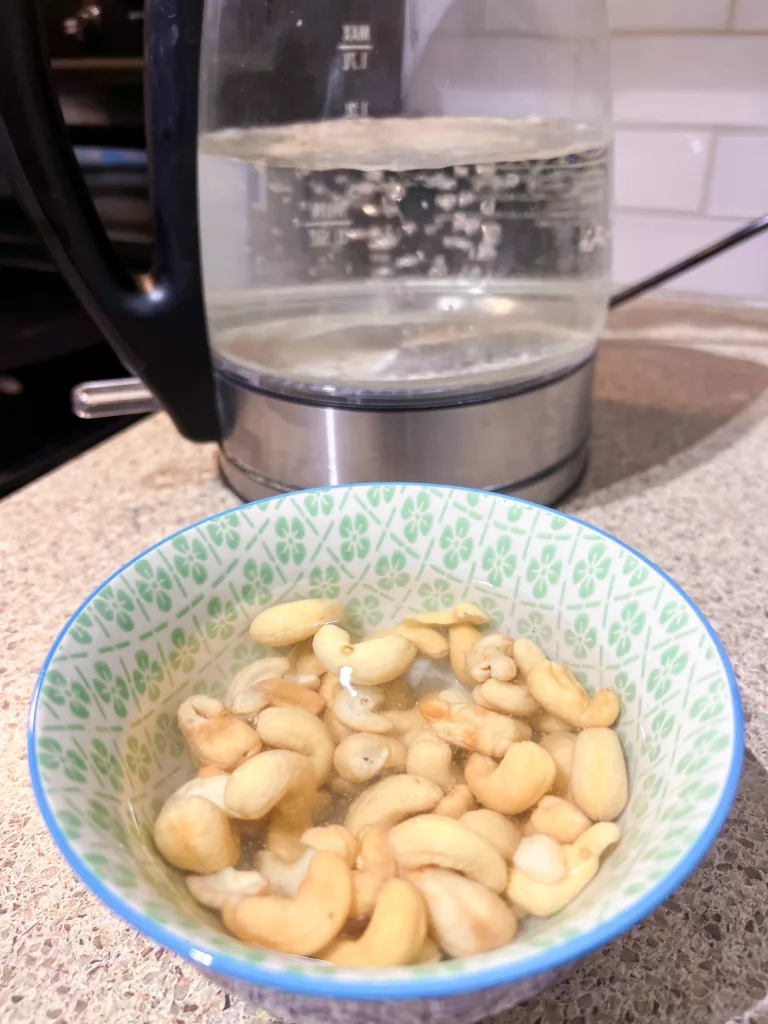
(105, 750)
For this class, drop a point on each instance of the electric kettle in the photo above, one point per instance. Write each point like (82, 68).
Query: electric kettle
(382, 232)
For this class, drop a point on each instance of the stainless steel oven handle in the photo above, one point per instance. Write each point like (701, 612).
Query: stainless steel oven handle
(125, 396)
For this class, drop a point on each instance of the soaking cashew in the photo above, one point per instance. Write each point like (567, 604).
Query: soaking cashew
(527, 654)
(430, 840)
(301, 731)
(456, 802)
(374, 867)
(391, 800)
(547, 725)
(506, 698)
(394, 936)
(303, 925)
(334, 838)
(540, 858)
(284, 877)
(582, 860)
(431, 758)
(524, 775)
(599, 784)
(500, 832)
(195, 835)
(280, 693)
(259, 785)
(558, 818)
(461, 639)
(214, 890)
(361, 756)
(429, 953)
(243, 698)
(330, 687)
(369, 663)
(338, 731)
(491, 658)
(290, 623)
(304, 661)
(559, 745)
(214, 735)
(474, 728)
(398, 695)
(348, 790)
(558, 691)
(356, 710)
(466, 613)
(465, 918)
(209, 771)
(403, 722)
(428, 642)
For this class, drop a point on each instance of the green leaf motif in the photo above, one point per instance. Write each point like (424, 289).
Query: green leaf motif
(115, 606)
(660, 680)
(168, 736)
(380, 495)
(418, 518)
(221, 619)
(260, 579)
(499, 562)
(515, 513)
(324, 582)
(456, 543)
(590, 571)
(60, 691)
(635, 569)
(154, 586)
(354, 536)
(581, 637)
(629, 625)
(146, 676)
(392, 572)
(107, 764)
(544, 572)
(137, 759)
(291, 546)
(627, 689)
(71, 823)
(225, 531)
(322, 502)
(184, 650)
(53, 757)
(111, 689)
(535, 628)
(363, 613)
(81, 630)
(674, 616)
(190, 558)
(435, 596)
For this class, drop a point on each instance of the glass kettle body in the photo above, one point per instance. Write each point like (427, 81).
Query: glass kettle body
(400, 263)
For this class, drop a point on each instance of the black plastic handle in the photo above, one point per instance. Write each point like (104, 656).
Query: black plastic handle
(156, 322)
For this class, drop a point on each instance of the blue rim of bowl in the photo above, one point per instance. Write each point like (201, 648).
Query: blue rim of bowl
(368, 989)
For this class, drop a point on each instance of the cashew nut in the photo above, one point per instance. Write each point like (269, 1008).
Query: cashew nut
(259, 785)
(284, 877)
(391, 800)
(582, 860)
(403, 722)
(507, 698)
(374, 867)
(559, 745)
(430, 757)
(213, 890)
(214, 735)
(280, 693)
(369, 663)
(209, 771)
(290, 623)
(338, 731)
(500, 832)
(473, 728)
(558, 691)
(304, 924)
(330, 686)
(430, 840)
(526, 654)
(429, 953)
(456, 802)
(363, 755)
(559, 819)
(461, 639)
(540, 858)
(348, 790)
(304, 661)
(301, 731)
(466, 613)
(524, 775)
(195, 835)
(356, 709)
(427, 641)
(242, 698)
(465, 918)
(491, 658)
(210, 787)
(394, 936)
(334, 838)
(547, 725)
(599, 784)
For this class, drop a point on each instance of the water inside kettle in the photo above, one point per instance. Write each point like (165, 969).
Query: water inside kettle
(404, 255)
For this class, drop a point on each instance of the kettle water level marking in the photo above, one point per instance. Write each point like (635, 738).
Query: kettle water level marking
(355, 46)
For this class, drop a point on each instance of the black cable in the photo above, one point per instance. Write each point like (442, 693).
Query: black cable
(755, 227)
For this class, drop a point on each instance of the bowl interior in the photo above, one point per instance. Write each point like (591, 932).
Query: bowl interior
(106, 751)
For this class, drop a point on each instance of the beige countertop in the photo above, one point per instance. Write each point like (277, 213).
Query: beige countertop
(679, 470)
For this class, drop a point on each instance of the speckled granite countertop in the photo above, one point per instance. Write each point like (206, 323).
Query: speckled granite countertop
(680, 474)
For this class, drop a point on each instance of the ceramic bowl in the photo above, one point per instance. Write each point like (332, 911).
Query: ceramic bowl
(105, 751)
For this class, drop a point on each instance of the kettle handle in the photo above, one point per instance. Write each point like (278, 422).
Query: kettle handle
(154, 322)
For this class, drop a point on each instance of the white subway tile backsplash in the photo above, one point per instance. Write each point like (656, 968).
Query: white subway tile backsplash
(645, 243)
(694, 80)
(740, 177)
(660, 170)
(751, 15)
(668, 14)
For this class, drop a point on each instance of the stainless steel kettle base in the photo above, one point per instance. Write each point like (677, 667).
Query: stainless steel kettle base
(532, 444)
